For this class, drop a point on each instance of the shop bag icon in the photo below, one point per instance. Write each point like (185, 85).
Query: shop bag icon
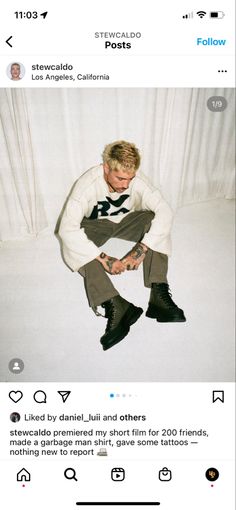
(165, 474)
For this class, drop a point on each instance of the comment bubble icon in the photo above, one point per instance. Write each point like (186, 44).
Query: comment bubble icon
(40, 397)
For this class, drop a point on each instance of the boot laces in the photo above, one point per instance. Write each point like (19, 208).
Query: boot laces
(110, 313)
(164, 294)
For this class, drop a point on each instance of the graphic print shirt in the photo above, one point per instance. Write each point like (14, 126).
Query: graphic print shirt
(92, 199)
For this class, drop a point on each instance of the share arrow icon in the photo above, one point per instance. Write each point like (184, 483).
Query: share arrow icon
(64, 395)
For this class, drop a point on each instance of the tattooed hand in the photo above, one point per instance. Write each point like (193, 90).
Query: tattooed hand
(134, 257)
(111, 264)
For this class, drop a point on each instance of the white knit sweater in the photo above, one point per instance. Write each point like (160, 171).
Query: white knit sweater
(91, 198)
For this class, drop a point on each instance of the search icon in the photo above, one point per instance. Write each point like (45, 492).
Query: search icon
(70, 474)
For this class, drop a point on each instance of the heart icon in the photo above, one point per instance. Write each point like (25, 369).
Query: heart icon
(15, 395)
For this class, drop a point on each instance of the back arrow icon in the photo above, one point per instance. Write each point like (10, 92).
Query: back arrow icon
(7, 41)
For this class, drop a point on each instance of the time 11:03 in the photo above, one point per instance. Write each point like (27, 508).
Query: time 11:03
(26, 14)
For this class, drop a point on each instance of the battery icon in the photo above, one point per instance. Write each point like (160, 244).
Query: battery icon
(217, 14)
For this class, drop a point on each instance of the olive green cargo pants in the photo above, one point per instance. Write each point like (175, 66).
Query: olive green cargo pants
(98, 285)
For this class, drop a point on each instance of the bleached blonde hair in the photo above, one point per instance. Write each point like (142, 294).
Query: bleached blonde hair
(121, 155)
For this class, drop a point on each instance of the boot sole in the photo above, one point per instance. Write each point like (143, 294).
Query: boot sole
(131, 316)
(152, 314)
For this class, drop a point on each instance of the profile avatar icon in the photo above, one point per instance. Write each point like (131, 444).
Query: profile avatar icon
(15, 71)
(15, 417)
(212, 474)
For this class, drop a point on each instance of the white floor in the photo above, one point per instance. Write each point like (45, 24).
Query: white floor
(45, 319)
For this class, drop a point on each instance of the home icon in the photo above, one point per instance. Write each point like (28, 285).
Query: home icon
(23, 475)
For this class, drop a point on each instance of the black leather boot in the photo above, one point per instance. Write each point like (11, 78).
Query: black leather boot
(121, 315)
(161, 307)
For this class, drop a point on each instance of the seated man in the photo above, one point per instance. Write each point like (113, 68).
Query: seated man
(114, 200)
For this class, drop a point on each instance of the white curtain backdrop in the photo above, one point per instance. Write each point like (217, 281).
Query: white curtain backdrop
(49, 137)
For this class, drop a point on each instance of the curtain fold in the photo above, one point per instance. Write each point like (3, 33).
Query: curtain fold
(22, 210)
(49, 137)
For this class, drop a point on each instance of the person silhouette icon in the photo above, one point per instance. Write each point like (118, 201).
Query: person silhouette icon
(16, 366)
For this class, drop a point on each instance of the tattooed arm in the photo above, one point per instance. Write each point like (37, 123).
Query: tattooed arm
(111, 264)
(130, 261)
(134, 257)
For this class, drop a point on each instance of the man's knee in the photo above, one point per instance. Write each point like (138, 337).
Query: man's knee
(146, 218)
(93, 266)
(149, 215)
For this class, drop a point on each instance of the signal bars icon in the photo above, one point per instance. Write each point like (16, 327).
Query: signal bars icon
(189, 15)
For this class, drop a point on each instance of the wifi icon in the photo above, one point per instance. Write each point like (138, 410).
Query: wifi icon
(201, 14)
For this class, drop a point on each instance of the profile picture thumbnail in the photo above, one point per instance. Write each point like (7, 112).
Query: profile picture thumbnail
(15, 417)
(15, 71)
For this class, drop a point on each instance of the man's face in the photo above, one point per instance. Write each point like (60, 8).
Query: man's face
(15, 71)
(117, 180)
